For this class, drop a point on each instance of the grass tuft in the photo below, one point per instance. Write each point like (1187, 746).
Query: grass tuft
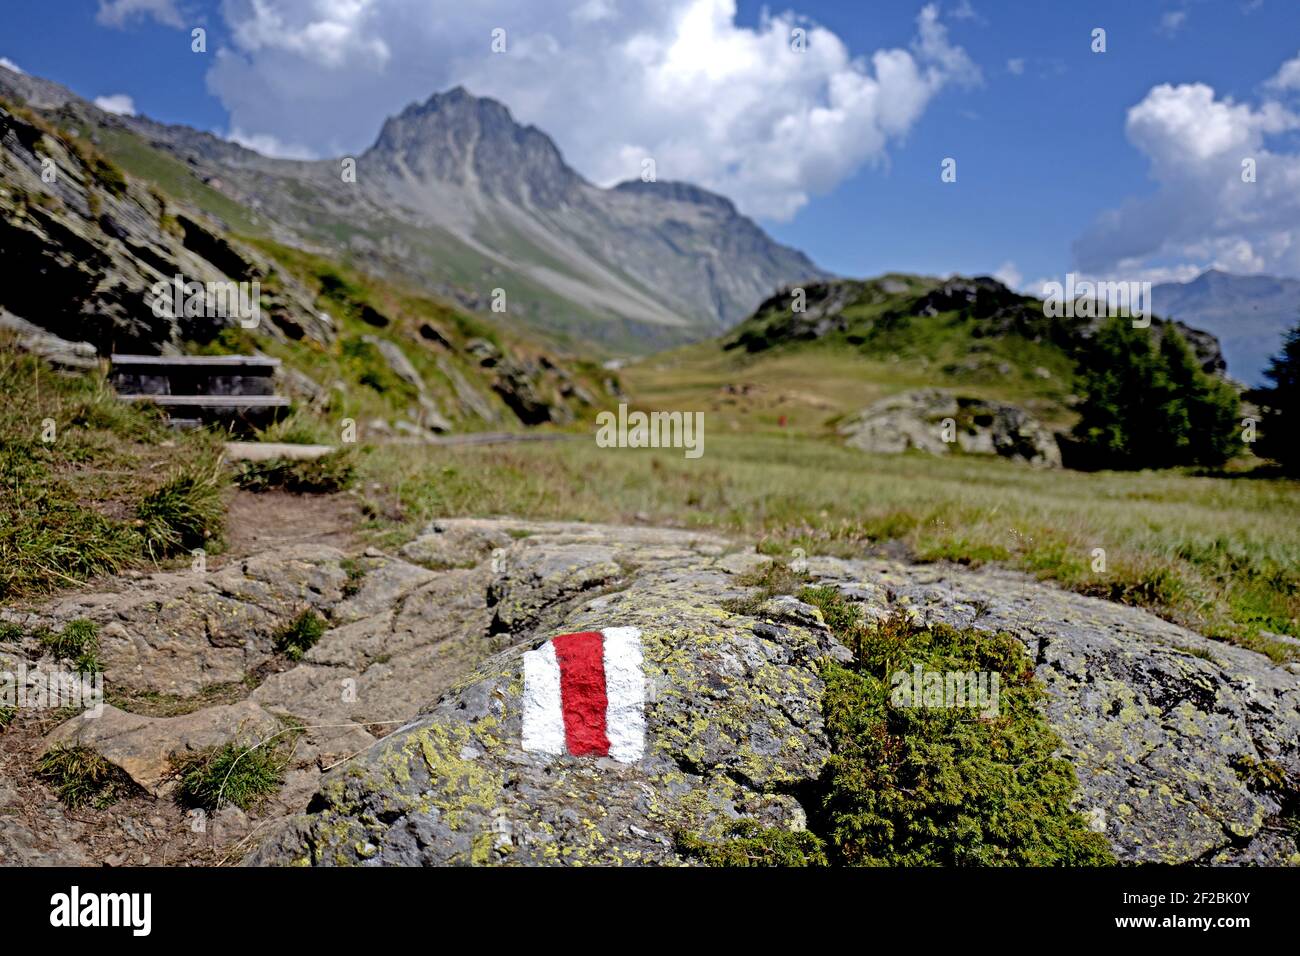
(299, 635)
(77, 642)
(325, 475)
(82, 777)
(229, 774)
(187, 512)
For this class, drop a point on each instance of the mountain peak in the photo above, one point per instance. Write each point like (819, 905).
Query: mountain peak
(475, 142)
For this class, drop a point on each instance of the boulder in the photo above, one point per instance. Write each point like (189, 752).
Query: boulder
(1155, 719)
(923, 418)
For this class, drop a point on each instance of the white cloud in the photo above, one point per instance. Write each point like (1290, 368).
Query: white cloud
(9, 64)
(119, 104)
(1016, 66)
(269, 145)
(1288, 77)
(731, 108)
(1009, 275)
(116, 13)
(1202, 214)
(1172, 22)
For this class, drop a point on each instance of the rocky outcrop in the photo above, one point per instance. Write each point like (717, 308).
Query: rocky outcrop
(410, 704)
(1154, 718)
(940, 423)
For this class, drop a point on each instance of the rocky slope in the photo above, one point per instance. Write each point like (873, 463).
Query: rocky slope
(410, 704)
(458, 198)
(89, 242)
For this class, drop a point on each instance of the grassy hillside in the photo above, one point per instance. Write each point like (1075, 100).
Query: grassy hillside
(864, 341)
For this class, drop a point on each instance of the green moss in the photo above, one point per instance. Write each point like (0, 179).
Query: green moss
(746, 843)
(915, 786)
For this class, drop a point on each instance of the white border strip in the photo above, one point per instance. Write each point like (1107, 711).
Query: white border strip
(543, 715)
(625, 693)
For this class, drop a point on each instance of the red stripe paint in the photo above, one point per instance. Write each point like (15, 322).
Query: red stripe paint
(582, 692)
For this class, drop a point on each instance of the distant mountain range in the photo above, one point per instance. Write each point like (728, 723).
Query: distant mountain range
(459, 199)
(1249, 314)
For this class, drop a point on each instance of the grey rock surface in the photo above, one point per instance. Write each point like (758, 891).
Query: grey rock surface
(410, 703)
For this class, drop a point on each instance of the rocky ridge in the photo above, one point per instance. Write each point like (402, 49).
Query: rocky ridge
(91, 243)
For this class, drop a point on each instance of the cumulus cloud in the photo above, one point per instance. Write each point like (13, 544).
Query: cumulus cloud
(119, 104)
(1203, 213)
(9, 64)
(729, 107)
(1016, 66)
(1288, 77)
(116, 13)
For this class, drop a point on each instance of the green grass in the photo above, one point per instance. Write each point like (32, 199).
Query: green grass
(356, 573)
(299, 428)
(185, 512)
(1219, 555)
(769, 580)
(176, 179)
(158, 704)
(299, 635)
(82, 777)
(230, 774)
(77, 642)
(67, 505)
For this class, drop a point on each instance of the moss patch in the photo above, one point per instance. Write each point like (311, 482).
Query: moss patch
(925, 785)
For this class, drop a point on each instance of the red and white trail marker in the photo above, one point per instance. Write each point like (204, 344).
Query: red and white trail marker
(584, 694)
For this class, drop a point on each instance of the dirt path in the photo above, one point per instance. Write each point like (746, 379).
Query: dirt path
(256, 522)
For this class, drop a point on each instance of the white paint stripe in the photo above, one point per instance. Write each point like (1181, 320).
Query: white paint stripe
(625, 692)
(543, 718)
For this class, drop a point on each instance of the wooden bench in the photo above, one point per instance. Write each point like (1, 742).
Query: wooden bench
(196, 390)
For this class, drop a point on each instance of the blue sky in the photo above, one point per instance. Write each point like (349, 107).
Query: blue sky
(1010, 89)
